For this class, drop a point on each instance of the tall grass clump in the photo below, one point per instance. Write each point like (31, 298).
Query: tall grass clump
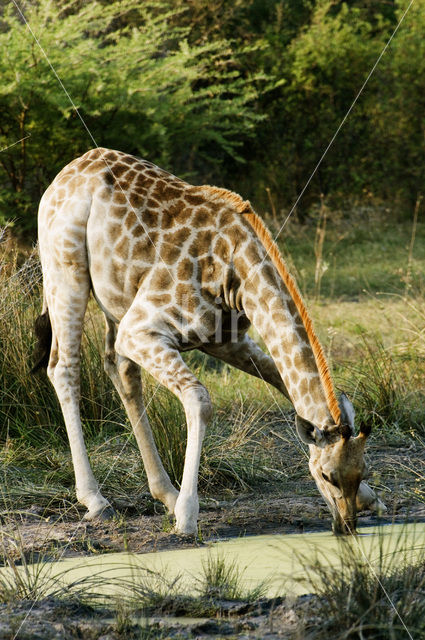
(387, 387)
(149, 592)
(32, 578)
(28, 405)
(379, 600)
(223, 579)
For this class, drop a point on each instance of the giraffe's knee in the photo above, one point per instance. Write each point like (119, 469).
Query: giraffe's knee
(124, 373)
(197, 399)
(65, 377)
(123, 341)
(128, 369)
(129, 374)
(51, 367)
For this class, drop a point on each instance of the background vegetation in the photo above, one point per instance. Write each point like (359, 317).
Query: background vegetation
(243, 93)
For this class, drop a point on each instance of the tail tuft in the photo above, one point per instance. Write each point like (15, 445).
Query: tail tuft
(43, 333)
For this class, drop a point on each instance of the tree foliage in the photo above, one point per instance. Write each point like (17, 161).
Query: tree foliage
(119, 74)
(245, 93)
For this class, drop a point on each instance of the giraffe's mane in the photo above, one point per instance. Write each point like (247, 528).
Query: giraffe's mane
(264, 236)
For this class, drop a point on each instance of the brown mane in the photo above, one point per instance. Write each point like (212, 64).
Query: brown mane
(264, 236)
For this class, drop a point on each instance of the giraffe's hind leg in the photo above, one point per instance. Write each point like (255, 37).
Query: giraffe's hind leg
(125, 375)
(66, 289)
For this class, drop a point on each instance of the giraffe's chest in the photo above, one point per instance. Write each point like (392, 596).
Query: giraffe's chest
(188, 292)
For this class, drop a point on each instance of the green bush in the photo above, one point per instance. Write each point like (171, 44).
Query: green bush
(138, 85)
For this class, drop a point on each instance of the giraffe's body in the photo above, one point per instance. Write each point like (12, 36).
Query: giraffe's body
(173, 267)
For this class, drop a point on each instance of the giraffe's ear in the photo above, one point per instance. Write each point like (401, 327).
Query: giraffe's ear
(308, 433)
(347, 411)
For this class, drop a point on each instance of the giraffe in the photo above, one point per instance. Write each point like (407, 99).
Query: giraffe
(171, 265)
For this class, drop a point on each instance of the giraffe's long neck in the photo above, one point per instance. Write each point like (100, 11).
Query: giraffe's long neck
(273, 304)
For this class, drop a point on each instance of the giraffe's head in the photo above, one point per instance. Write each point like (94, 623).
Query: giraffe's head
(337, 464)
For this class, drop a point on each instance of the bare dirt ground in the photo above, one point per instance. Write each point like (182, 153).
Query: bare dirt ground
(291, 507)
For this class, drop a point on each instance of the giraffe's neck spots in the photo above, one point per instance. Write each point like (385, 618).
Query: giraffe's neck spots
(308, 341)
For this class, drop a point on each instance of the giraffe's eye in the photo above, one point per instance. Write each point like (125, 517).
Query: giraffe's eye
(332, 480)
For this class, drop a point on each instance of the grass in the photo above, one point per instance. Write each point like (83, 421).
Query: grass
(387, 388)
(364, 252)
(222, 579)
(28, 586)
(29, 577)
(221, 582)
(357, 599)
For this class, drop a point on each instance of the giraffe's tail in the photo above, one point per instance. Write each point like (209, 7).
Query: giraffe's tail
(43, 333)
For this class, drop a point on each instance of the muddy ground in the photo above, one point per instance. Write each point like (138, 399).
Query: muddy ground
(291, 507)
(280, 619)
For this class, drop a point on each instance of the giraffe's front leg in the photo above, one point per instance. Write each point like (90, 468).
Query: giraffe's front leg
(125, 375)
(154, 353)
(198, 409)
(247, 356)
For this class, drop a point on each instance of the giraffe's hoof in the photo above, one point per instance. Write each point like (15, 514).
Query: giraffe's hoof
(378, 507)
(104, 513)
(184, 535)
(187, 530)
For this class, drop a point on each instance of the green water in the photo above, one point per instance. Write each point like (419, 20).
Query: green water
(278, 559)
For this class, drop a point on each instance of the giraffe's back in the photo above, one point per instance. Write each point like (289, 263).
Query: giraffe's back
(145, 230)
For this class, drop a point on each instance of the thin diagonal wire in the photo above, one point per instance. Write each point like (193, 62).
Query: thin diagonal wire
(341, 124)
(330, 500)
(15, 143)
(89, 133)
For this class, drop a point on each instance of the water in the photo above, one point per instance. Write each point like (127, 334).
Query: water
(280, 560)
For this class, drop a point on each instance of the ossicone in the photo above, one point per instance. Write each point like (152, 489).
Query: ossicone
(365, 430)
(345, 431)
(346, 423)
